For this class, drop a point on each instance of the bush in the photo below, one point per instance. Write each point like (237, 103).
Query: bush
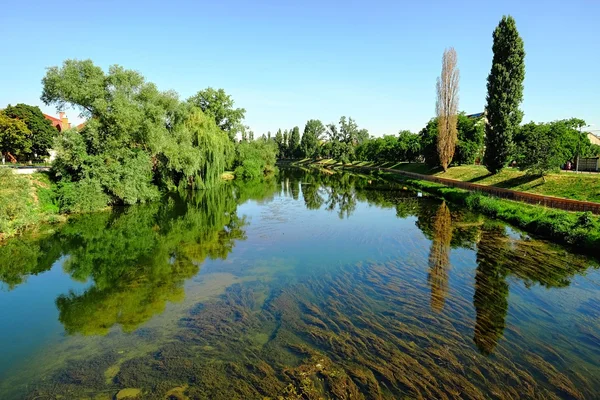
(255, 159)
(84, 195)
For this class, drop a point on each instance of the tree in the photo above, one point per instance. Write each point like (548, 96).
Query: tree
(294, 143)
(504, 94)
(313, 131)
(446, 108)
(348, 130)
(280, 143)
(542, 148)
(409, 146)
(428, 143)
(137, 138)
(470, 139)
(14, 136)
(42, 131)
(254, 159)
(286, 144)
(219, 105)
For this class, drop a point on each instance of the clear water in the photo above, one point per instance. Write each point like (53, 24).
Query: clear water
(308, 285)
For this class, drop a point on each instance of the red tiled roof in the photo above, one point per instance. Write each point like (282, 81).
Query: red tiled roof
(51, 118)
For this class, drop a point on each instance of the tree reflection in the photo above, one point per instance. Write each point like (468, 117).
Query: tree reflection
(136, 258)
(491, 289)
(439, 256)
(139, 259)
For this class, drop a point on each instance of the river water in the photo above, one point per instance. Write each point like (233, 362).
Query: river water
(307, 285)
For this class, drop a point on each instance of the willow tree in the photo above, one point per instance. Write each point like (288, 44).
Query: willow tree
(446, 108)
(505, 93)
(137, 139)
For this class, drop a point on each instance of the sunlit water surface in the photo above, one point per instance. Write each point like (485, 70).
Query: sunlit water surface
(307, 285)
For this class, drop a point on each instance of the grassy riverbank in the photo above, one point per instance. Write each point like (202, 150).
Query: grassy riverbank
(581, 230)
(568, 185)
(25, 201)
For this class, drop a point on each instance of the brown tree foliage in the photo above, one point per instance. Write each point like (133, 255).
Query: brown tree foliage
(446, 107)
(439, 256)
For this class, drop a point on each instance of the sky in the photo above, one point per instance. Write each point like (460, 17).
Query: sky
(289, 61)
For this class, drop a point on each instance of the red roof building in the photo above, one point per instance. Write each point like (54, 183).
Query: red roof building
(61, 123)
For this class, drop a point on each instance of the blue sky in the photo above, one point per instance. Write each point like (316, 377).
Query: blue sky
(286, 62)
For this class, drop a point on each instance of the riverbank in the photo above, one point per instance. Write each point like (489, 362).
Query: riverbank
(578, 229)
(566, 185)
(25, 201)
(28, 201)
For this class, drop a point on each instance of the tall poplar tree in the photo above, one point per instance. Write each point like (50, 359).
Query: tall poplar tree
(505, 93)
(294, 144)
(446, 108)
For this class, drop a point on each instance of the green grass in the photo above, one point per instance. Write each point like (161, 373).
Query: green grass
(564, 184)
(581, 230)
(25, 201)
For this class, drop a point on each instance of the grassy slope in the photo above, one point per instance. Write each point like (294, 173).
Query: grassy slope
(584, 186)
(25, 200)
(564, 184)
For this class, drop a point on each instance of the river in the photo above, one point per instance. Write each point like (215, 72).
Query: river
(305, 285)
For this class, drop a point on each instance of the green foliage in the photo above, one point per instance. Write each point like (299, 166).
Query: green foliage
(470, 141)
(505, 93)
(42, 131)
(539, 148)
(379, 149)
(82, 196)
(313, 132)
(219, 105)
(255, 159)
(137, 139)
(14, 136)
(16, 206)
(428, 141)
(281, 146)
(25, 200)
(342, 142)
(409, 146)
(294, 150)
(544, 147)
(471, 134)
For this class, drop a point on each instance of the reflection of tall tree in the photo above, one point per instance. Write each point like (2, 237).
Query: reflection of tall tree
(491, 289)
(439, 256)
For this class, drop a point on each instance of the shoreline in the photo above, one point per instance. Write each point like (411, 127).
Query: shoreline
(580, 230)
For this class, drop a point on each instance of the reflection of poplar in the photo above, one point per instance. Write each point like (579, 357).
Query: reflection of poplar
(439, 256)
(491, 290)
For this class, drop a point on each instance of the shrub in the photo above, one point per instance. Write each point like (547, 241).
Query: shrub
(81, 196)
